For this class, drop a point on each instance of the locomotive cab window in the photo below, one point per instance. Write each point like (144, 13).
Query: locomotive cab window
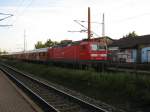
(96, 47)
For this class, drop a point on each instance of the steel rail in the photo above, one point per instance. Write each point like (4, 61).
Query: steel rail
(46, 107)
(73, 98)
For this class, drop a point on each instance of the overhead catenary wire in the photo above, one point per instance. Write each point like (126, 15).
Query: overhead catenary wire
(130, 18)
(91, 22)
(4, 14)
(6, 25)
(8, 16)
(78, 22)
(14, 13)
(23, 11)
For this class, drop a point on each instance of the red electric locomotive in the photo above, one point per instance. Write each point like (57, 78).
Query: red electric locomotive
(80, 53)
(85, 50)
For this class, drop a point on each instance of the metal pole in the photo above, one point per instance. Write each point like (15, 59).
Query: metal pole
(89, 23)
(103, 26)
(103, 32)
(24, 40)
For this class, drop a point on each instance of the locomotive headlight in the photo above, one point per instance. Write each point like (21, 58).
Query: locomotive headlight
(94, 55)
(103, 55)
(98, 55)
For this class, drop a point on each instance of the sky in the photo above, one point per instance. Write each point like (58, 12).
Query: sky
(44, 19)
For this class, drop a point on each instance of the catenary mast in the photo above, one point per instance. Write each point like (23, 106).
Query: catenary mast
(89, 23)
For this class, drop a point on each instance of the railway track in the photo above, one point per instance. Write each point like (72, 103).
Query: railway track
(129, 67)
(49, 98)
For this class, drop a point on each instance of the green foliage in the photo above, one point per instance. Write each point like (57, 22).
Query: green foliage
(48, 43)
(39, 44)
(3, 52)
(122, 89)
(131, 35)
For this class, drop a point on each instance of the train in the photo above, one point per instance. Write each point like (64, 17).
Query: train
(79, 53)
(84, 53)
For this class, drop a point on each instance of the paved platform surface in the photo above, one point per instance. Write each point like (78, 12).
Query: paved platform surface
(11, 100)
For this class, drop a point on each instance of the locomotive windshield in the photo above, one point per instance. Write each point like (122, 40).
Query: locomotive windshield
(96, 47)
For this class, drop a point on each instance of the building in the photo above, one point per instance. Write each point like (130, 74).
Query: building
(131, 49)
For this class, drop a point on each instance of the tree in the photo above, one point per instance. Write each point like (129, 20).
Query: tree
(50, 43)
(3, 52)
(0, 52)
(39, 44)
(131, 35)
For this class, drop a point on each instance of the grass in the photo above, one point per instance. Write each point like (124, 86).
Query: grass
(123, 90)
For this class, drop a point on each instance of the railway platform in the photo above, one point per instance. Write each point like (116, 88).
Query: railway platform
(12, 99)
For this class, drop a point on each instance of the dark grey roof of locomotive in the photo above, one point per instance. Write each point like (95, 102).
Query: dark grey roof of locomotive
(130, 42)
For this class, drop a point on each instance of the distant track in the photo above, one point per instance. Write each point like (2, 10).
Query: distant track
(129, 67)
(49, 98)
